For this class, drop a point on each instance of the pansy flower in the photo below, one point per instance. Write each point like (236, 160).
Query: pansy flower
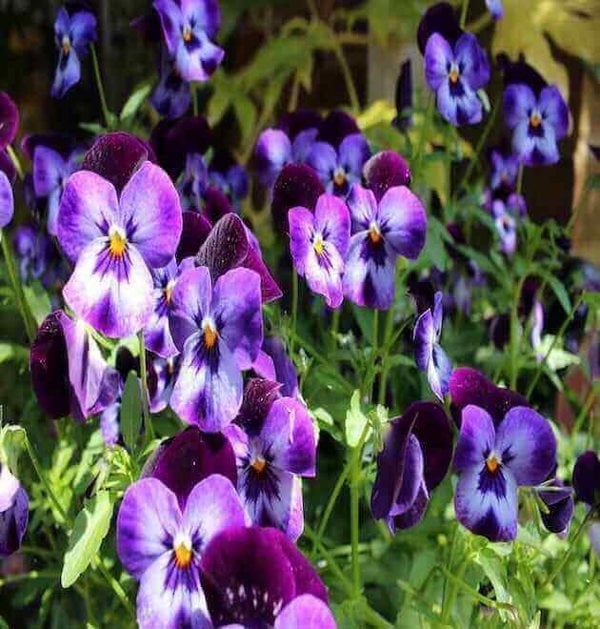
(14, 512)
(559, 507)
(381, 231)
(455, 74)
(172, 96)
(72, 33)
(162, 545)
(7, 201)
(273, 363)
(506, 227)
(586, 478)
(318, 244)
(493, 461)
(538, 121)
(193, 182)
(229, 177)
(504, 170)
(271, 454)
(429, 356)
(386, 170)
(218, 329)
(188, 27)
(114, 242)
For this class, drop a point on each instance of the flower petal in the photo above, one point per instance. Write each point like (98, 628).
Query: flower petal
(472, 60)
(438, 56)
(332, 219)
(403, 222)
(554, 110)
(306, 611)
(7, 204)
(476, 439)
(586, 477)
(386, 170)
(354, 151)
(9, 114)
(518, 102)
(68, 73)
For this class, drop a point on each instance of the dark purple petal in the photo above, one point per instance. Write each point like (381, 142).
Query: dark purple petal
(13, 519)
(439, 18)
(194, 232)
(305, 611)
(295, 122)
(7, 167)
(269, 288)
(9, 120)
(414, 514)
(404, 101)
(559, 502)
(521, 72)
(586, 478)
(259, 396)
(336, 126)
(386, 170)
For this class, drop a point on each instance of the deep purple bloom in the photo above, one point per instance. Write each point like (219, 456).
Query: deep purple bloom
(162, 546)
(429, 356)
(14, 512)
(414, 460)
(558, 500)
(336, 127)
(537, 122)
(455, 73)
(319, 243)
(114, 242)
(270, 457)
(72, 34)
(250, 575)
(380, 233)
(439, 18)
(386, 170)
(172, 96)
(9, 120)
(218, 328)
(495, 8)
(586, 478)
(505, 169)
(340, 169)
(188, 27)
(404, 98)
(493, 461)
(7, 202)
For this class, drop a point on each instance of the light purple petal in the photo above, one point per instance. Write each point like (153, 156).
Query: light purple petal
(273, 151)
(363, 207)
(83, 30)
(438, 55)
(67, 74)
(472, 60)
(476, 439)
(518, 102)
(403, 222)
(324, 274)
(171, 19)
(463, 107)
(302, 144)
(306, 612)
(201, 61)
(324, 159)
(7, 203)
(332, 219)
(301, 226)
(410, 482)
(9, 486)
(354, 151)
(48, 170)
(205, 14)
(554, 110)
(424, 336)
(439, 372)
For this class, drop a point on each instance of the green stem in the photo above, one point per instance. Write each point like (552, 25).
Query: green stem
(355, 519)
(331, 562)
(115, 585)
(295, 290)
(15, 160)
(515, 335)
(463, 13)
(520, 178)
(420, 152)
(149, 428)
(105, 110)
(347, 74)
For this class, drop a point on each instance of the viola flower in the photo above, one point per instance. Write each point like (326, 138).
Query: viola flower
(188, 28)
(586, 478)
(50, 173)
(386, 170)
(218, 328)
(496, 8)
(493, 461)
(72, 34)
(162, 546)
(114, 242)
(429, 356)
(505, 169)
(7, 201)
(506, 227)
(537, 327)
(558, 500)
(232, 179)
(193, 182)
(537, 121)
(172, 96)
(14, 512)
(251, 575)
(380, 233)
(340, 169)
(414, 460)
(274, 364)
(318, 244)
(455, 73)
(31, 248)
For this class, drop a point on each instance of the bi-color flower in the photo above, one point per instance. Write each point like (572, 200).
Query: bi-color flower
(14, 512)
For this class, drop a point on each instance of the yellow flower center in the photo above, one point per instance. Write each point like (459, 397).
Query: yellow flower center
(187, 34)
(169, 291)
(339, 177)
(454, 75)
(117, 242)
(210, 334)
(66, 45)
(535, 120)
(258, 465)
(318, 245)
(492, 463)
(375, 234)
(183, 556)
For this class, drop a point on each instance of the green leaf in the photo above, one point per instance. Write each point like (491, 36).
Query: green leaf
(12, 351)
(131, 410)
(560, 291)
(135, 101)
(38, 300)
(356, 421)
(12, 444)
(245, 112)
(91, 527)
(93, 127)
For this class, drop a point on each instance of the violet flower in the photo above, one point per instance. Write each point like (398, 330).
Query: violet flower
(72, 34)
(538, 121)
(14, 512)
(172, 96)
(381, 231)
(537, 327)
(319, 243)
(114, 242)
(505, 169)
(493, 461)
(455, 73)
(188, 28)
(429, 356)
(162, 546)
(251, 575)
(270, 455)
(273, 363)
(218, 328)
(506, 227)
(586, 478)
(193, 182)
(7, 201)
(414, 460)
(496, 8)
(558, 500)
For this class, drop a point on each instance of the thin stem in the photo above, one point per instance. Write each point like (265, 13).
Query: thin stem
(331, 562)
(420, 152)
(295, 290)
(347, 74)
(145, 396)
(105, 110)
(520, 178)
(115, 585)
(463, 13)
(515, 335)
(15, 160)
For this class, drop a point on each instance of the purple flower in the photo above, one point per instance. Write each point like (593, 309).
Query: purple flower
(7, 202)
(162, 546)
(340, 169)
(171, 97)
(14, 512)
(493, 461)
(506, 227)
(380, 233)
(586, 478)
(114, 242)
(50, 173)
(537, 122)
(189, 27)
(318, 244)
(251, 575)
(274, 364)
(219, 331)
(414, 460)
(72, 35)
(505, 169)
(386, 170)
(495, 8)
(455, 73)
(429, 356)
(229, 177)
(558, 500)
(537, 327)
(271, 454)
(193, 182)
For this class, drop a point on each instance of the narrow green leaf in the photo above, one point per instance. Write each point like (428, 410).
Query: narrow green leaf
(131, 410)
(560, 291)
(135, 101)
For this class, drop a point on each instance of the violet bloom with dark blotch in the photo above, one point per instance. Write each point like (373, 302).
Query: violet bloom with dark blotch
(386, 170)
(218, 329)
(251, 575)
(7, 201)
(172, 96)
(496, 8)
(72, 34)
(414, 460)
(14, 512)
(504, 170)
(586, 478)
(381, 231)
(114, 242)
(162, 546)
(493, 461)
(429, 356)
(68, 372)
(181, 462)
(271, 455)
(538, 121)
(50, 173)
(319, 243)
(340, 168)
(188, 27)
(455, 73)
(559, 507)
